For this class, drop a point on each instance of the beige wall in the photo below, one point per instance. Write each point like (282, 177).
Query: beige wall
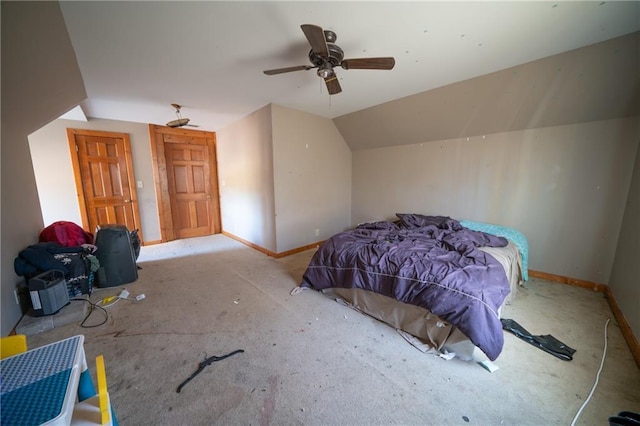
(564, 187)
(283, 174)
(54, 173)
(312, 178)
(625, 281)
(40, 81)
(245, 175)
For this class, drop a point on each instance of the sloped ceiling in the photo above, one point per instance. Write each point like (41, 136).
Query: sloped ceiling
(137, 58)
(593, 83)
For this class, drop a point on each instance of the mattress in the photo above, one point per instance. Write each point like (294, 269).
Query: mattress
(421, 328)
(440, 284)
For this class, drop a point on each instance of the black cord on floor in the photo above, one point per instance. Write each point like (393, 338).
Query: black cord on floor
(92, 306)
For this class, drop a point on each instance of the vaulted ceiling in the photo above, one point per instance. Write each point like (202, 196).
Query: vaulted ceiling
(137, 58)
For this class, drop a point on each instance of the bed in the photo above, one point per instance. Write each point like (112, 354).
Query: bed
(440, 284)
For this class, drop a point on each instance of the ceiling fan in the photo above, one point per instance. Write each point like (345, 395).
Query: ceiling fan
(325, 55)
(180, 121)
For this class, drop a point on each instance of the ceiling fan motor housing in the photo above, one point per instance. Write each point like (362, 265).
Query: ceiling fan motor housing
(178, 123)
(335, 56)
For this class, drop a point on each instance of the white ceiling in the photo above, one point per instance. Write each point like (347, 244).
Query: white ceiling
(137, 58)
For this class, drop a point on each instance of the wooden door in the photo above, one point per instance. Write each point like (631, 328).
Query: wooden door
(189, 186)
(186, 181)
(103, 170)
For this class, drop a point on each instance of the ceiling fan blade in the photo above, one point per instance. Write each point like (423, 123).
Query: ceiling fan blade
(315, 35)
(288, 69)
(333, 85)
(368, 64)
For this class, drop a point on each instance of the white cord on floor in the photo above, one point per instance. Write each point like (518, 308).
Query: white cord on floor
(604, 353)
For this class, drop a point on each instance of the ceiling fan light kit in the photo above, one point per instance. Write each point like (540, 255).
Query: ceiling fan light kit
(324, 71)
(325, 55)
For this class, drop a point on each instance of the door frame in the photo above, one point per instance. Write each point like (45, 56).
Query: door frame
(77, 174)
(159, 162)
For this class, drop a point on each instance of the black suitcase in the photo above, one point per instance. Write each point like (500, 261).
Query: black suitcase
(116, 255)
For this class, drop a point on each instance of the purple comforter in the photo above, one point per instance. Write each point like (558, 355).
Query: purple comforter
(428, 261)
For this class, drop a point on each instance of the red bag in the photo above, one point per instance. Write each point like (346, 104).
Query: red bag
(67, 234)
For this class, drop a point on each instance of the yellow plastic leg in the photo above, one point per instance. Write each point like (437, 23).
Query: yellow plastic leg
(102, 390)
(12, 345)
